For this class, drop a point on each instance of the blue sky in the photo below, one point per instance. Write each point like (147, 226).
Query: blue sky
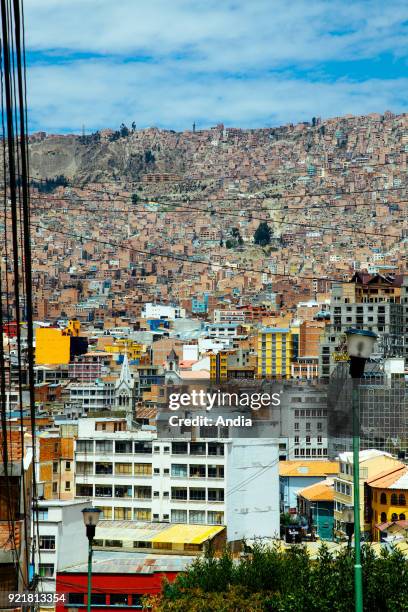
(244, 63)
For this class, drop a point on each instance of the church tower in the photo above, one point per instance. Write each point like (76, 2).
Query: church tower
(125, 388)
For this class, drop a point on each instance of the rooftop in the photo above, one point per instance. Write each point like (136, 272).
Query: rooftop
(308, 468)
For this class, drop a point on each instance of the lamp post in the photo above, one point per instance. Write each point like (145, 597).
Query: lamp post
(91, 519)
(360, 343)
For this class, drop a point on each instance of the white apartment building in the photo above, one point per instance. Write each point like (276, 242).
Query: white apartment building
(162, 311)
(62, 539)
(93, 395)
(132, 475)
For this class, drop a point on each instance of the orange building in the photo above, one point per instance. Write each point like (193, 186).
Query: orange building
(56, 479)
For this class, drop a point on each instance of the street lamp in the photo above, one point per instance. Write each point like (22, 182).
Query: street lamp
(91, 519)
(360, 344)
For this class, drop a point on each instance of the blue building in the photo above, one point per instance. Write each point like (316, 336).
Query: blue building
(296, 475)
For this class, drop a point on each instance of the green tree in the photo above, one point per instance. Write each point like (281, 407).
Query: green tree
(263, 234)
(276, 580)
(135, 198)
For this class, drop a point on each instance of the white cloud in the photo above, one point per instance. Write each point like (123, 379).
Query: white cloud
(98, 93)
(235, 61)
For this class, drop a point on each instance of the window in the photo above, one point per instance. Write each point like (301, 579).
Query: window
(401, 499)
(43, 514)
(216, 449)
(197, 517)
(402, 517)
(114, 543)
(123, 468)
(197, 494)
(119, 599)
(197, 471)
(156, 471)
(216, 495)
(383, 517)
(47, 542)
(67, 485)
(308, 426)
(215, 471)
(55, 467)
(143, 448)
(104, 446)
(143, 469)
(179, 493)
(83, 468)
(46, 569)
(76, 598)
(84, 446)
(106, 512)
(143, 492)
(55, 487)
(84, 491)
(394, 517)
(103, 468)
(103, 490)
(319, 440)
(68, 466)
(179, 448)
(296, 426)
(142, 514)
(394, 499)
(179, 470)
(142, 544)
(98, 599)
(123, 514)
(179, 516)
(123, 447)
(123, 490)
(216, 518)
(197, 448)
(319, 426)
(156, 493)
(308, 440)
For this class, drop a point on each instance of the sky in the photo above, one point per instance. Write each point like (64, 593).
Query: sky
(244, 63)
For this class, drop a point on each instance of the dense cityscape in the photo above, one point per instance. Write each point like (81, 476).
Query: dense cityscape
(203, 330)
(169, 274)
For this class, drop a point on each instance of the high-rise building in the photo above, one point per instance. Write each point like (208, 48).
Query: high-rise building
(369, 302)
(277, 347)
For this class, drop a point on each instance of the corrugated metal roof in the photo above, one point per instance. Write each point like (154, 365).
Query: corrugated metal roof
(130, 531)
(132, 563)
(187, 534)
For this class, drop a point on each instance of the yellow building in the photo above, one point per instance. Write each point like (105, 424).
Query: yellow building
(277, 347)
(120, 346)
(388, 497)
(219, 366)
(56, 346)
(52, 345)
(372, 463)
